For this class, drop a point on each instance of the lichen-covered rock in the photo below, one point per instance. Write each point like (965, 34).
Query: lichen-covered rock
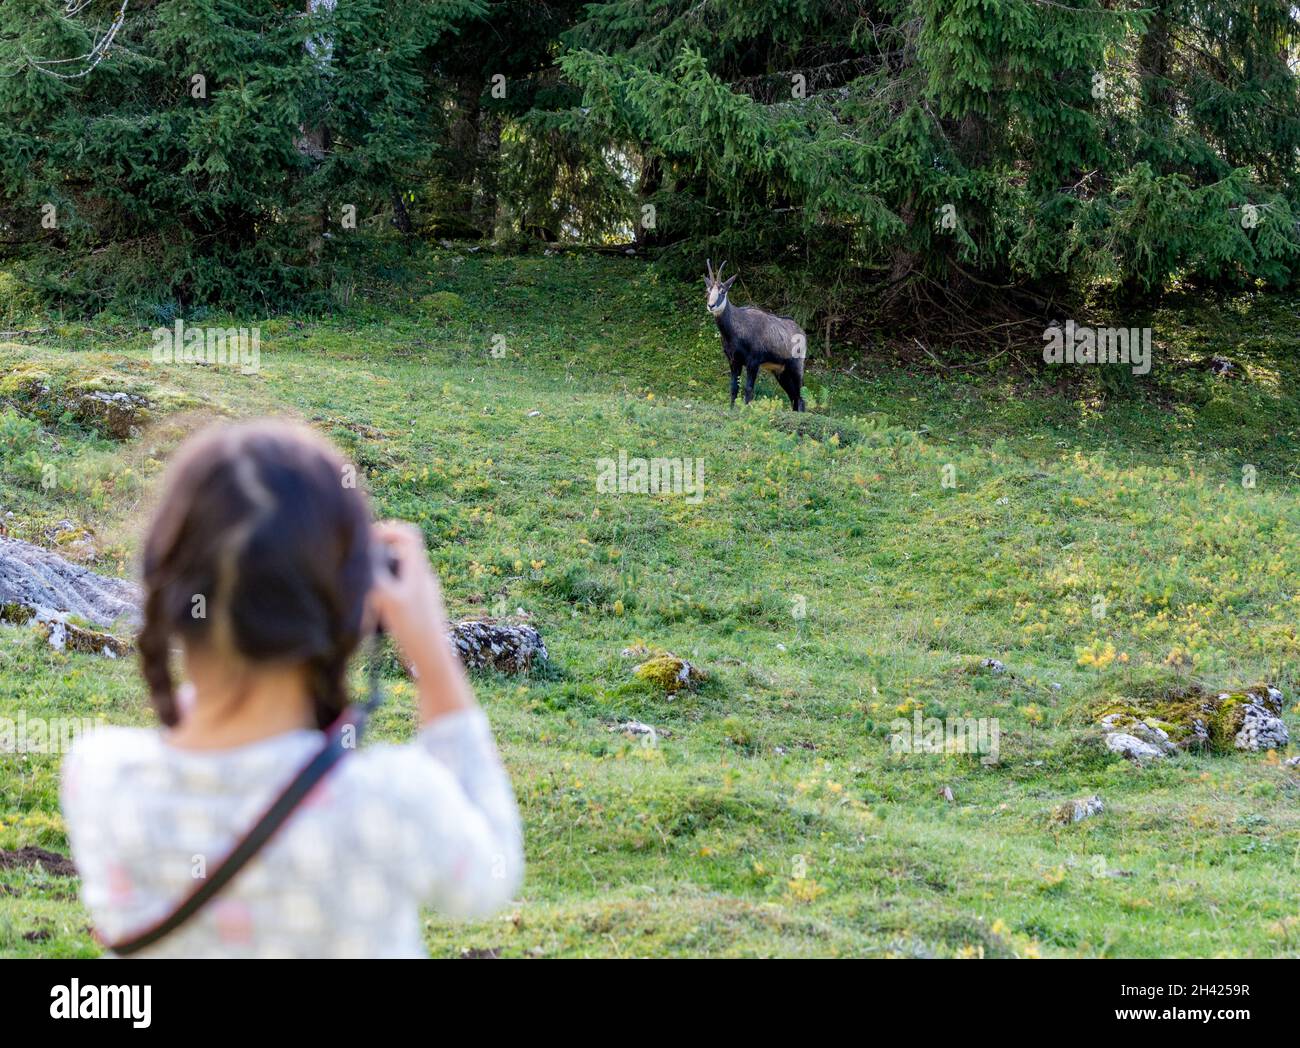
(1078, 810)
(1261, 724)
(37, 585)
(1146, 730)
(1193, 718)
(497, 646)
(90, 400)
(65, 635)
(1132, 747)
(115, 402)
(993, 665)
(669, 673)
(116, 414)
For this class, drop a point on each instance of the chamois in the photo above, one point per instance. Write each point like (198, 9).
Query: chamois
(755, 340)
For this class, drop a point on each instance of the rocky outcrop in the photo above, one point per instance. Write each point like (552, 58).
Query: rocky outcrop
(43, 582)
(59, 597)
(115, 413)
(1261, 726)
(1196, 719)
(1123, 727)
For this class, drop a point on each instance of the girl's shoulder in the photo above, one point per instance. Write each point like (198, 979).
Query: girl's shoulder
(112, 763)
(114, 756)
(94, 767)
(110, 745)
(398, 770)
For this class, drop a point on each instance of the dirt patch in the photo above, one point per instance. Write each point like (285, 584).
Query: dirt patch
(31, 857)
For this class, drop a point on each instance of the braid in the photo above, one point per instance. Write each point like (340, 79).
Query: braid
(327, 668)
(153, 644)
(326, 678)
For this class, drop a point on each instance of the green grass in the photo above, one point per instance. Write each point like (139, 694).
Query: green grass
(771, 817)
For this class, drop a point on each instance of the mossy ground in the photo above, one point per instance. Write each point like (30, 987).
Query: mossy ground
(828, 582)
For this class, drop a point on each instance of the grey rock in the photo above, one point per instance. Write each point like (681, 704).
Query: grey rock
(497, 646)
(1132, 747)
(44, 582)
(1261, 731)
(1262, 727)
(1148, 733)
(1079, 809)
(639, 729)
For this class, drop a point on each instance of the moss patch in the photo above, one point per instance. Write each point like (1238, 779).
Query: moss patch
(15, 614)
(669, 673)
(107, 403)
(441, 305)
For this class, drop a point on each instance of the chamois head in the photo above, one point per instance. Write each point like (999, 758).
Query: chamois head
(716, 288)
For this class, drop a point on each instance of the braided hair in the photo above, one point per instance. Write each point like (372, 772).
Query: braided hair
(260, 549)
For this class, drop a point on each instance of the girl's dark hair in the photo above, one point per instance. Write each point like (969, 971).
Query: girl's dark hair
(260, 548)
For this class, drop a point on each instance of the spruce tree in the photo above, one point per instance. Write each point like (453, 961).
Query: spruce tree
(933, 148)
(203, 157)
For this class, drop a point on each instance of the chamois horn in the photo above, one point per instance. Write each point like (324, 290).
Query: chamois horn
(709, 266)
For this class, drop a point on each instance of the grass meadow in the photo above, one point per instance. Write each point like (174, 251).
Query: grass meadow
(842, 570)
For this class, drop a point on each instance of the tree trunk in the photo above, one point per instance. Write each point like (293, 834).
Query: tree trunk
(487, 155)
(1153, 69)
(401, 217)
(647, 186)
(462, 141)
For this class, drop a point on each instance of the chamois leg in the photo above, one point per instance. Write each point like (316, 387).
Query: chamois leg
(751, 376)
(735, 382)
(791, 383)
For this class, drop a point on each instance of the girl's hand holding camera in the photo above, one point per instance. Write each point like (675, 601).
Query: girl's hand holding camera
(408, 601)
